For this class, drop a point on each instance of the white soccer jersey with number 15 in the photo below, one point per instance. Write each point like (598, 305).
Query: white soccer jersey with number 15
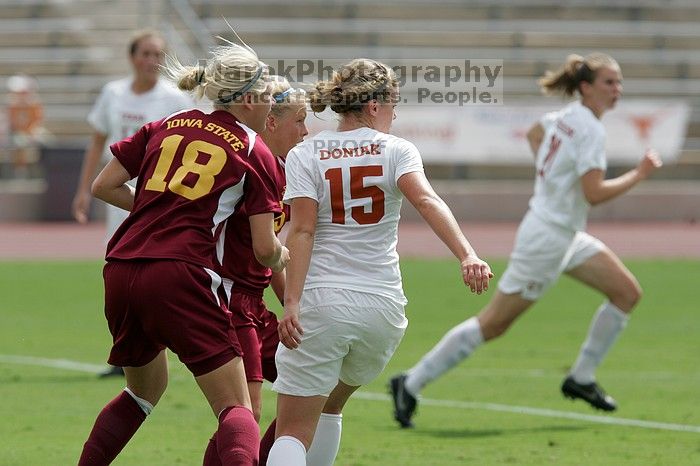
(573, 144)
(353, 175)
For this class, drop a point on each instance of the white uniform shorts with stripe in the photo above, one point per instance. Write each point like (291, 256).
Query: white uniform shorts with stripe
(542, 252)
(348, 336)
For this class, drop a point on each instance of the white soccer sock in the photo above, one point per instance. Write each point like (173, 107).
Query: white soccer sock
(324, 448)
(145, 406)
(456, 345)
(287, 451)
(607, 324)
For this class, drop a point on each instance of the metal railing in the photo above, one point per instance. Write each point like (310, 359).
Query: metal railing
(189, 18)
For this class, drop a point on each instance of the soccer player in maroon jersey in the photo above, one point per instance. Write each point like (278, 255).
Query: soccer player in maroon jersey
(160, 284)
(244, 278)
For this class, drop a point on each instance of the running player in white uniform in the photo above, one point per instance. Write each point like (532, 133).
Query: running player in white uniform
(122, 108)
(569, 146)
(345, 188)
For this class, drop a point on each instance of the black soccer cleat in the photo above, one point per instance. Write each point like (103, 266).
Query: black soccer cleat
(112, 371)
(404, 403)
(591, 393)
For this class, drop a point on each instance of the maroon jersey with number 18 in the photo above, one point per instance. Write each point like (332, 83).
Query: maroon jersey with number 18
(193, 172)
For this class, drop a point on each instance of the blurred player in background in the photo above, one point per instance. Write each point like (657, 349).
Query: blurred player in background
(569, 148)
(122, 108)
(26, 114)
(344, 303)
(161, 290)
(244, 278)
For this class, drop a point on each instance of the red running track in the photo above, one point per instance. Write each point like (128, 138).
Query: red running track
(70, 241)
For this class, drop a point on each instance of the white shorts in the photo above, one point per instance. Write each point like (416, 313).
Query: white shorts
(348, 336)
(542, 252)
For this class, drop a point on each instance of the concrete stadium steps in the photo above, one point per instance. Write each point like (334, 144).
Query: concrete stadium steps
(76, 131)
(480, 10)
(72, 47)
(465, 39)
(62, 67)
(641, 34)
(656, 46)
(45, 9)
(75, 46)
(26, 8)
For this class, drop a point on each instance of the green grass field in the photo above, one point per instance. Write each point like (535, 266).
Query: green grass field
(54, 310)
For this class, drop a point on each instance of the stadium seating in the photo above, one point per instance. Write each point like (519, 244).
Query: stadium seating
(74, 46)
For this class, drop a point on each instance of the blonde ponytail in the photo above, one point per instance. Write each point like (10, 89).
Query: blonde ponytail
(232, 71)
(567, 79)
(353, 85)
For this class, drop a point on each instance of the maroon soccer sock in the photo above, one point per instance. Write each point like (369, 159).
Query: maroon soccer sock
(238, 437)
(267, 441)
(114, 427)
(211, 455)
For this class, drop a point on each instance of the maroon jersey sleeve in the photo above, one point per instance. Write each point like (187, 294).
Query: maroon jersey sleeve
(260, 187)
(131, 151)
(238, 262)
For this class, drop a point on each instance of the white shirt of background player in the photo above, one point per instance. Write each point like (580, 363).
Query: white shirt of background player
(121, 109)
(573, 144)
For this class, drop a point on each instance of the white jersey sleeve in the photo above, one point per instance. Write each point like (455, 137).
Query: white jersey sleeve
(406, 159)
(548, 119)
(301, 176)
(99, 114)
(574, 143)
(591, 152)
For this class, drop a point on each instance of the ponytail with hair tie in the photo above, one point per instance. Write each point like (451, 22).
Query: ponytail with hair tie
(577, 69)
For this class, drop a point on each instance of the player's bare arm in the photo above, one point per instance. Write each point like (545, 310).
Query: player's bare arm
(81, 202)
(277, 283)
(597, 189)
(535, 135)
(475, 272)
(300, 242)
(110, 186)
(267, 248)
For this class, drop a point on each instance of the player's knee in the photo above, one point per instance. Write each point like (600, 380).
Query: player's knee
(634, 294)
(145, 404)
(151, 393)
(494, 329)
(333, 407)
(303, 434)
(628, 297)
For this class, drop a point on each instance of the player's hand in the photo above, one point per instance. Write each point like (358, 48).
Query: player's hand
(81, 206)
(650, 162)
(289, 329)
(476, 274)
(283, 260)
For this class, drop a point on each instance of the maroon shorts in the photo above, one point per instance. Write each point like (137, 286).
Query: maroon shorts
(256, 328)
(158, 304)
